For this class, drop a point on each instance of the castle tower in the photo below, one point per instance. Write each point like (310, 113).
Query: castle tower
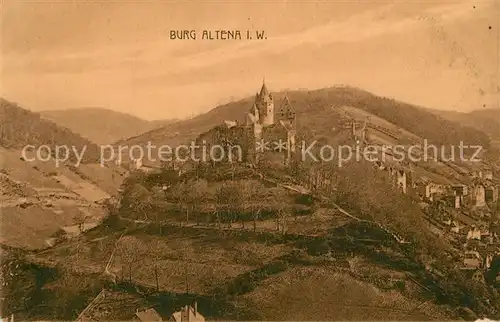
(285, 111)
(265, 104)
(252, 116)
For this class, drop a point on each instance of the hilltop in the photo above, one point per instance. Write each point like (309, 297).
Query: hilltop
(486, 120)
(101, 125)
(317, 111)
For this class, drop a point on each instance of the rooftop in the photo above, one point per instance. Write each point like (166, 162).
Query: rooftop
(149, 315)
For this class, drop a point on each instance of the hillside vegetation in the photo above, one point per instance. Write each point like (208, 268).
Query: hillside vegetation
(236, 202)
(101, 125)
(315, 112)
(20, 127)
(486, 120)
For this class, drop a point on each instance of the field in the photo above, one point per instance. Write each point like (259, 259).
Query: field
(251, 275)
(39, 199)
(324, 293)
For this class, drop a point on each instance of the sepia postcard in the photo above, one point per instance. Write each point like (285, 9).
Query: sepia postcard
(274, 160)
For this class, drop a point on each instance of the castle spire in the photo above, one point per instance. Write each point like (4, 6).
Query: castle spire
(263, 91)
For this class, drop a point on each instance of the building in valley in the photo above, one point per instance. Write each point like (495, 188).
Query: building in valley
(187, 314)
(478, 193)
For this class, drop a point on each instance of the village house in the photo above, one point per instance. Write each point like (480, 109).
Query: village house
(139, 165)
(491, 193)
(460, 189)
(187, 314)
(489, 240)
(495, 229)
(476, 275)
(149, 315)
(434, 191)
(477, 174)
(488, 260)
(458, 195)
(472, 260)
(456, 227)
(478, 193)
(400, 175)
(453, 201)
(485, 231)
(474, 233)
(401, 182)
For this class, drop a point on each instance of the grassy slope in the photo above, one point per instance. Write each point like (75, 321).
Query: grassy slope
(211, 261)
(57, 194)
(324, 293)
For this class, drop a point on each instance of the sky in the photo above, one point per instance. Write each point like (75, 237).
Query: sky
(118, 54)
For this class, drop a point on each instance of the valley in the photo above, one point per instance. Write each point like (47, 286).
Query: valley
(268, 238)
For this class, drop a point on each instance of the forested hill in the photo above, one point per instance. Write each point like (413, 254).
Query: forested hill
(314, 111)
(21, 127)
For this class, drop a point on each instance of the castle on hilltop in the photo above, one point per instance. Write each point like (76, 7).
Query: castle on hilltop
(267, 132)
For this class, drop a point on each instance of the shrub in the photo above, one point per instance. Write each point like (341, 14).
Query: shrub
(318, 247)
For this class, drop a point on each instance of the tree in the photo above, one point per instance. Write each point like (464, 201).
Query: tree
(181, 195)
(156, 254)
(253, 194)
(112, 204)
(80, 219)
(282, 205)
(165, 177)
(229, 198)
(198, 196)
(138, 199)
(367, 193)
(220, 203)
(131, 251)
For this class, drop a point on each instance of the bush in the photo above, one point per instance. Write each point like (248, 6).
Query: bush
(318, 247)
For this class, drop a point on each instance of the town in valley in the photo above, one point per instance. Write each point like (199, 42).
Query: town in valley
(323, 161)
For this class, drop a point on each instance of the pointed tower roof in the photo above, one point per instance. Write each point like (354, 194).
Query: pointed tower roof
(263, 91)
(254, 110)
(286, 106)
(251, 119)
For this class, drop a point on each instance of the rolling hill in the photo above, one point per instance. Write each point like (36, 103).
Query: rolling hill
(39, 198)
(21, 127)
(101, 125)
(486, 120)
(318, 112)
